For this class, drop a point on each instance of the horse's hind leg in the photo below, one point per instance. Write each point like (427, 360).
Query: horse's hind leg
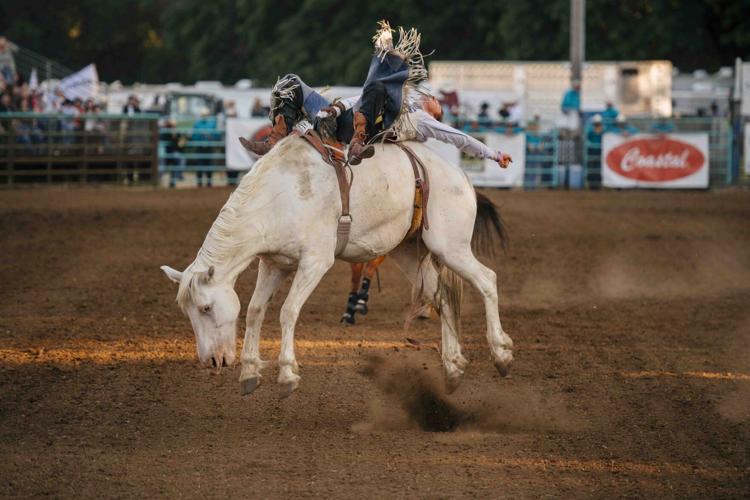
(309, 273)
(426, 281)
(461, 260)
(269, 279)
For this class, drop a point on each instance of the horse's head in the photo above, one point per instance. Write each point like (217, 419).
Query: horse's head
(212, 306)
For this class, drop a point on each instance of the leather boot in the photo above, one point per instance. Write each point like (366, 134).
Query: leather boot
(279, 131)
(358, 150)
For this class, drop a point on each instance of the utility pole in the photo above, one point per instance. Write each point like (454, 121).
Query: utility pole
(577, 39)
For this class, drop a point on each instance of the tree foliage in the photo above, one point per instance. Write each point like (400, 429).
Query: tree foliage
(328, 41)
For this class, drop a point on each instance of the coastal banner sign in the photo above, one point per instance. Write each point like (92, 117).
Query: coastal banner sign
(671, 161)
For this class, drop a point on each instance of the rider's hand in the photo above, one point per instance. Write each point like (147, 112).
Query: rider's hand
(504, 160)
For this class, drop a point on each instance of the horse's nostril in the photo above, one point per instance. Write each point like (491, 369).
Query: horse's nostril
(213, 362)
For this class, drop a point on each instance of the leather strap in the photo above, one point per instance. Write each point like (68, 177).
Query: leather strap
(330, 154)
(422, 184)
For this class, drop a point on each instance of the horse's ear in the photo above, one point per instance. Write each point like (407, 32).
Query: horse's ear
(172, 274)
(205, 276)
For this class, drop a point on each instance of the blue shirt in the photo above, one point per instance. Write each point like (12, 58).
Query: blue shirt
(610, 114)
(571, 101)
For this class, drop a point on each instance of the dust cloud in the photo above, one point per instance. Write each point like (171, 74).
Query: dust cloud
(413, 396)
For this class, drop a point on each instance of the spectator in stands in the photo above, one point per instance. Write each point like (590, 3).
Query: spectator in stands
(449, 101)
(133, 106)
(515, 113)
(6, 103)
(571, 108)
(206, 123)
(504, 112)
(175, 149)
(230, 111)
(258, 110)
(483, 117)
(622, 127)
(7, 62)
(609, 115)
(663, 126)
(534, 135)
(595, 130)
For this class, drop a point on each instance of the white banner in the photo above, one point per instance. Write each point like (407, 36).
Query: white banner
(487, 173)
(81, 85)
(745, 80)
(237, 157)
(678, 161)
(747, 148)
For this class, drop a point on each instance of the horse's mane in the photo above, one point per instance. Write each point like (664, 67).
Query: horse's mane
(220, 242)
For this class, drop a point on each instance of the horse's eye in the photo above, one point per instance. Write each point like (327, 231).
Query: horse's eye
(205, 309)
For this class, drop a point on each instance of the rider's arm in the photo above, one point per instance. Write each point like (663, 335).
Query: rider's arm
(429, 128)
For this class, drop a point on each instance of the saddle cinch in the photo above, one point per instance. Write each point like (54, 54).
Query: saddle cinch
(333, 153)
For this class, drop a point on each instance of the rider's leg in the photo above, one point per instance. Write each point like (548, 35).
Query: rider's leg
(371, 109)
(287, 101)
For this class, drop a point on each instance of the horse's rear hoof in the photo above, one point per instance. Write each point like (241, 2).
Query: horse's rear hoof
(287, 389)
(452, 383)
(249, 385)
(361, 308)
(347, 319)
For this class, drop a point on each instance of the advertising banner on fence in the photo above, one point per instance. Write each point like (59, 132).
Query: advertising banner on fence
(674, 161)
(747, 148)
(237, 157)
(487, 173)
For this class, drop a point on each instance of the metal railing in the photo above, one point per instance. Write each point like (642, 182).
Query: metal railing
(54, 147)
(196, 150)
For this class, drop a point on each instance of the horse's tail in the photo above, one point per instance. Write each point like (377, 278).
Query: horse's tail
(488, 225)
(449, 293)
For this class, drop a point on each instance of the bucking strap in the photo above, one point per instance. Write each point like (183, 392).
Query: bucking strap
(333, 154)
(422, 190)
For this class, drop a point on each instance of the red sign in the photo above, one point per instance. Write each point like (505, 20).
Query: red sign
(655, 159)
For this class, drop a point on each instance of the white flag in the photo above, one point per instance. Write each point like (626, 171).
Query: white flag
(33, 80)
(81, 85)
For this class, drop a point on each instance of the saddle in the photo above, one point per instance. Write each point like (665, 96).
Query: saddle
(332, 153)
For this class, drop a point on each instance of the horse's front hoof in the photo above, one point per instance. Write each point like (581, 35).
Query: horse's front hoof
(347, 319)
(249, 385)
(503, 362)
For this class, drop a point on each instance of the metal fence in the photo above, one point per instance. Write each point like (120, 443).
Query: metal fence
(720, 146)
(196, 150)
(116, 148)
(59, 148)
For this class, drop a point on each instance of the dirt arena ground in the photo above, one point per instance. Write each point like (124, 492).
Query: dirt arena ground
(629, 311)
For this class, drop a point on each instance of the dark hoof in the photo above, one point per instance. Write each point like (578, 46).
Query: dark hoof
(249, 385)
(287, 390)
(503, 369)
(347, 319)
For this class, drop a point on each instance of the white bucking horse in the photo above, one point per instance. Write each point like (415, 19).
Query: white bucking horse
(285, 212)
